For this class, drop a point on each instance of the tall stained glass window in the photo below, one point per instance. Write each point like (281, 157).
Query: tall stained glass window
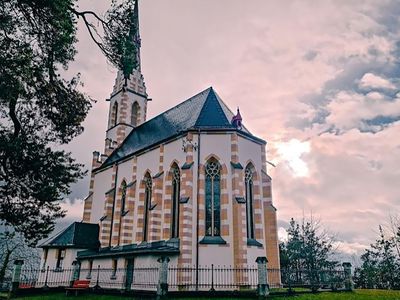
(213, 196)
(123, 196)
(147, 202)
(249, 172)
(176, 186)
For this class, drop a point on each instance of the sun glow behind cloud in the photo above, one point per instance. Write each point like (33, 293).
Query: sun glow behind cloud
(290, 153)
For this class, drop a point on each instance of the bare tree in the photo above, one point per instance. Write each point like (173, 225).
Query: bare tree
(394, 229)
(13, 247)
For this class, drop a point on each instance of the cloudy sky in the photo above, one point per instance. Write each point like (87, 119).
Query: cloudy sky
(319, 80)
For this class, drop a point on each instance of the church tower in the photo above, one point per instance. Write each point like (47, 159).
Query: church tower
(128, 100)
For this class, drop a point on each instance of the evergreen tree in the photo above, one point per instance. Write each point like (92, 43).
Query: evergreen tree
(380, 266)
(307, 251)
(308, 247)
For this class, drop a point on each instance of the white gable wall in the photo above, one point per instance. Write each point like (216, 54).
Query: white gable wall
(250, 151)
(218, 144)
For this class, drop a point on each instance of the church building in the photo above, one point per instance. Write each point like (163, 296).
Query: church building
(190, 184)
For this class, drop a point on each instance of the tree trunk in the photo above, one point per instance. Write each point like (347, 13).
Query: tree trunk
(6, 261)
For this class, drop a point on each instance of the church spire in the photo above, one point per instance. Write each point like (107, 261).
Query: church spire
(131, 57)
(135, 35)
(128, 101)
(237, 120)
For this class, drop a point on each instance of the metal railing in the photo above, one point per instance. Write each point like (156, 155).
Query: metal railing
(45, 277)
(187, 278)
(314, 279)
(212, 278)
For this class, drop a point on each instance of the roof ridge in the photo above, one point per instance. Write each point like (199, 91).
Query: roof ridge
(170, 109)
(159, 116)
(205, 110)
(57, 235)
(73, 232)
(212, 107)
(227, 107)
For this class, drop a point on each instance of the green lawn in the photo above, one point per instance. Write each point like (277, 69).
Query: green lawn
(356, 295)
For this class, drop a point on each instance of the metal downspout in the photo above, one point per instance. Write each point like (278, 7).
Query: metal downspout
(113, 206)
(197, 212)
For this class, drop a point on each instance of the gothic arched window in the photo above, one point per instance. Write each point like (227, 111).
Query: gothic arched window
(123, 196)
(114, 114)
(147, 202)
(135, 110)
(176, 187)
(213, 195)
(248, 175)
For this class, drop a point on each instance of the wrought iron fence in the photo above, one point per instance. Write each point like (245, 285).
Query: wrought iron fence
(314, 279)
(187, 278)
(212, 278)
(45, 277)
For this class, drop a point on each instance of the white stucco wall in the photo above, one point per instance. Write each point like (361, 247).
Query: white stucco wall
(217, 144)
(102, 184)
(249, 151)
(51, 262)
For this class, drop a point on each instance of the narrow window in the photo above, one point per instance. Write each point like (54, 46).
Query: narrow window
(147, 202)
(123, 197)
(249, 202)
(60, 258)
(114, 114)
(213, 194)
(90, 268)
(114, 269)
(45, 254)
(176, 182)
(135, 114)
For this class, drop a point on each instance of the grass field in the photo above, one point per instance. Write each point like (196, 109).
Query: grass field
(356, 295)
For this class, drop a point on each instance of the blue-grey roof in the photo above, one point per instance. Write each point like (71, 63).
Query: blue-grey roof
(205, 110)
(145, 248)
(77, 235)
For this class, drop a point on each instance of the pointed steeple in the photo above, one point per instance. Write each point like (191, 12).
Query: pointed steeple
(128, 101)
(237, 120)
(132, 45)
(212, 113)
(135, 34)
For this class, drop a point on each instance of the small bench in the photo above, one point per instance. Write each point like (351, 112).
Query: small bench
(26, 285)
(77, 286)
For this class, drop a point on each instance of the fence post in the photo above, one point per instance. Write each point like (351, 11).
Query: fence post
(75, 272)
(289, 279)
(348, 279)
(47, 278)
(16, 276)
(212, 278)
(262, 287)
(162, 287)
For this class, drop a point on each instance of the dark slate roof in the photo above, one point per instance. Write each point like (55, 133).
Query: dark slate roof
(170, 247)
(77, 235)
(205, 110)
